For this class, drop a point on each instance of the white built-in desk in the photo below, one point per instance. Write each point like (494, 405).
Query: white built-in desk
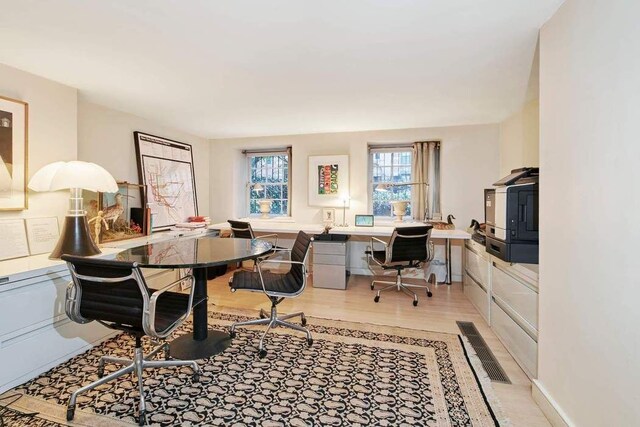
(284, 227)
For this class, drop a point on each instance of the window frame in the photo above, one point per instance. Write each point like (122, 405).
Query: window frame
(249, 154)
(399, 148)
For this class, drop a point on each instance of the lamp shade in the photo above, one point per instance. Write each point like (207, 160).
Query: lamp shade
(74, 174)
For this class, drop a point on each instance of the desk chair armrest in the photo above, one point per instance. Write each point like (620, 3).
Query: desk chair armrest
(149, 317)
(371, 248)
(376, 240)
(280, 261)
(273, 236)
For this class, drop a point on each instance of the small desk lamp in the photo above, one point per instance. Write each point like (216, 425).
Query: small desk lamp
(75, 238)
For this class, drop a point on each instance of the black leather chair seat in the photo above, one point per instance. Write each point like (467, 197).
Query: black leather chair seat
(249, 280)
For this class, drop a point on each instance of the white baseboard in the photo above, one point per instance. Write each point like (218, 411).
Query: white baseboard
(556, 416)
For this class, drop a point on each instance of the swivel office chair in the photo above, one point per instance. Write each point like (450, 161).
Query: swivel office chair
(115, 294)
(409, 247)
(277, 287)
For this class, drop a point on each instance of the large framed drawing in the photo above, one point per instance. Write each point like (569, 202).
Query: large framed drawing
(165, 168)
(14, 122)
(328, 181)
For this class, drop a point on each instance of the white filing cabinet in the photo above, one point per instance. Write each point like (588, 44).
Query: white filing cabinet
(514, 312)
(506, 295)
(330, 264)
(476, 277)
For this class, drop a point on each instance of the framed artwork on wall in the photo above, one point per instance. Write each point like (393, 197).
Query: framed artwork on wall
(328, 180)
(328, 216)
(14, 121)
(165, 168)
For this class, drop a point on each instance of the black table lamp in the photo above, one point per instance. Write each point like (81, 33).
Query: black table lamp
(75, 238)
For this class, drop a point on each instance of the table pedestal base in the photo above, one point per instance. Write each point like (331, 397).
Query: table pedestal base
(186, 348)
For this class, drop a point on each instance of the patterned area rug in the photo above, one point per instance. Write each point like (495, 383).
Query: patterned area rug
(354, 374)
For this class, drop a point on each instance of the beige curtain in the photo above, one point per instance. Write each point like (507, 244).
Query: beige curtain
(425, 169)
(289, 169)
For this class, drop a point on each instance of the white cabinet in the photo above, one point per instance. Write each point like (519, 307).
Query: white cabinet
(476, 277)
(506, 295)
(35, 333)
(330, 264)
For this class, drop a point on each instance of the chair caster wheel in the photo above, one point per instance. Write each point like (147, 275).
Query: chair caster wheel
(100, 372)
(310, 342)
(262, 353)
(429, 294)
(196, 378)
(142, 418)
(70, 413)
(415, 303)
(262, 315)
(377, 298)
(232, 334)
(304, 321)
(372, 287)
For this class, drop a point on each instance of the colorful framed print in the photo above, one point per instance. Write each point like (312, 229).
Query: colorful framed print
(329, 180)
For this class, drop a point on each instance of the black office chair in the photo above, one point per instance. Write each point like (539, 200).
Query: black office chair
(115, 294)
(409, 247)
(277, 287)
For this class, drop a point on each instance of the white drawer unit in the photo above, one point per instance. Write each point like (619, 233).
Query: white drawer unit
(477, 294)
(517, 338)
(329, 264)
(39, 335)
(477, 263)
(520, 295)
(506, 296)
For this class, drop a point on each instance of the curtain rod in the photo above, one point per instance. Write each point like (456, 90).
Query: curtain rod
(266, 150)
(399, 145)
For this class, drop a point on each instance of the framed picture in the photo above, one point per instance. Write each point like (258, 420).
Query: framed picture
(329, 216)
(328, 180)
(14, 115)
(364, 220)
(165, 168)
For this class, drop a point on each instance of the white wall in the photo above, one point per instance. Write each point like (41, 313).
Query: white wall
(469, 157)
(52, 133)
(589, 202)
(105, 137)
(520, 139)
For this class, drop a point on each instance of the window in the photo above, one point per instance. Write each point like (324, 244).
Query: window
(390, 167)
(271, 171)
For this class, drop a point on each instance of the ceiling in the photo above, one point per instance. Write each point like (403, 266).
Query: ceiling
(272, 67)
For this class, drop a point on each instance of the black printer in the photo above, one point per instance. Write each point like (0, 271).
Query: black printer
(511, 214)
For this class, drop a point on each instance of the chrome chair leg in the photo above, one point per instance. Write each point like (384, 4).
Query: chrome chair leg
(135, 366)
(399, 285)
(272, 321)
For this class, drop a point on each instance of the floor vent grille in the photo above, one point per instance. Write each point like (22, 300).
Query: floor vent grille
(489, 362)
